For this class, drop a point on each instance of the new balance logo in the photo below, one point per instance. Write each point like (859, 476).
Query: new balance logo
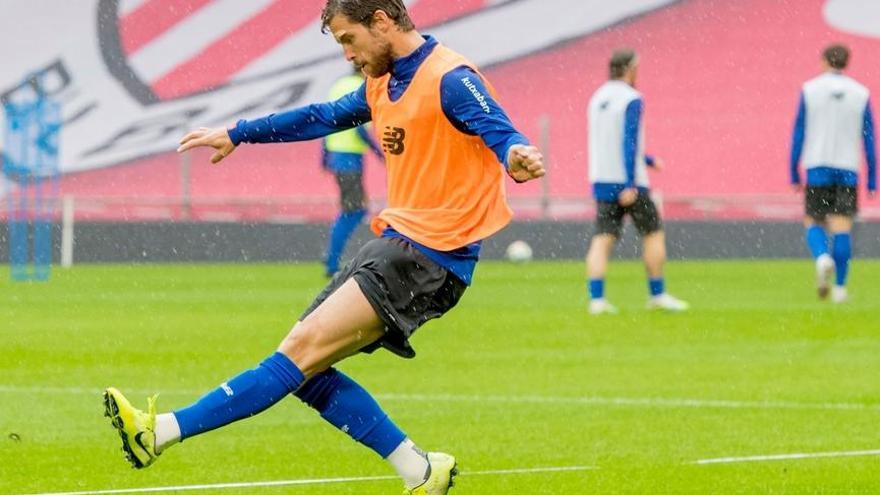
(226, 388)
(392, 140)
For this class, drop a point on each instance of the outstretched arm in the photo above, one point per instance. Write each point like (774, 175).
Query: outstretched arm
(870, 150)
(797, 142)
(301, 124)
(470, 107)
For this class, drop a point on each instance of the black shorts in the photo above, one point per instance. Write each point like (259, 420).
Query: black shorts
(609, 216)
(405, 288)
(822, 201)
(351, 191)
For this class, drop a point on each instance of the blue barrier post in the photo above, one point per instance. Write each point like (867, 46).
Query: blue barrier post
(30, 163)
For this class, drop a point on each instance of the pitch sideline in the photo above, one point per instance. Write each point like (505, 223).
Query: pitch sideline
(316, 481)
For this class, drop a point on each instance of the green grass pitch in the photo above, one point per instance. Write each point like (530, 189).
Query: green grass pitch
(517, 377)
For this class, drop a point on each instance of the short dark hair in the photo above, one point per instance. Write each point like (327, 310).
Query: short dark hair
(361, 12)
(621, 60)
(837, 56)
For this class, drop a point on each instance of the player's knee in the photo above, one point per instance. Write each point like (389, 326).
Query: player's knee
(303, 345)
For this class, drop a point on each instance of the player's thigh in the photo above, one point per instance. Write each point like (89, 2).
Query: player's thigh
(338, 327)
(819, 202)
(845, 203)
(609, 219)
(645, 215)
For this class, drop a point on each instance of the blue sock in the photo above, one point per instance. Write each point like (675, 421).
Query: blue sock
(350, 408)
(656, 286)
(842, 252)
(817, 241)
(343, 228)
(241, 397)
(597, 288)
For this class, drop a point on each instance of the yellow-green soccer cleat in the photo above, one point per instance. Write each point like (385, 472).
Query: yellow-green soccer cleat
(137, 428)
(443, 470)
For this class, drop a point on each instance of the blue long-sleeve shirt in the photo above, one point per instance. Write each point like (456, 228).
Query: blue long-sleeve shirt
(604, 191)
(631, 121)
(870, 149)
(465, 101)
(828, 175)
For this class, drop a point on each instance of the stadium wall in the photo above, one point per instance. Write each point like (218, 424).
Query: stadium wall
(102, 242)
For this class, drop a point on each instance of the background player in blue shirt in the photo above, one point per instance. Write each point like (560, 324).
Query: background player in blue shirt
(833, 121)
(618, 173)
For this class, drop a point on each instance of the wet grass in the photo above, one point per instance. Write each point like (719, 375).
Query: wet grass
(517, 377)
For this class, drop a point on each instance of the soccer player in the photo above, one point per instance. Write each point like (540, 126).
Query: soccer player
(620, 184)
(833, 120)
(447, 145)
(343, 155)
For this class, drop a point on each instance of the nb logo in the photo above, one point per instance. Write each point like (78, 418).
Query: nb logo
(392, 140)
(227, 389)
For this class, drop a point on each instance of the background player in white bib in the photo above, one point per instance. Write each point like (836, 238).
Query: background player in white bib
(618, 173)
(833, 122)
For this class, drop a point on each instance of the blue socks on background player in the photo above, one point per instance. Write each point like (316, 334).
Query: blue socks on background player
(241, 397)
(350, 408)
(656, 286)
(342, 230)
(817, 241)
(596, 287)
(841, 252)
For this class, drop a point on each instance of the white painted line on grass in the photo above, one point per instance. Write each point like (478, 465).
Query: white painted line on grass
(635, 402)
(785, 457)
(647, 402)
(317, 481)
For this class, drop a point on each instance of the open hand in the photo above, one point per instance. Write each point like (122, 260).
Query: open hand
(217, 138)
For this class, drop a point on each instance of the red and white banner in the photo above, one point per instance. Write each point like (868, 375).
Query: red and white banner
(720, 79)
(134, 74)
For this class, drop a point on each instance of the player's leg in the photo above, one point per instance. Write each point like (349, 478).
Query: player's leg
(841, 242)
(422, 291)
(346, 405)
(609, 223)
(646, 218)
(352, 212)
(818, 202)
(840, 223)
(344, 323)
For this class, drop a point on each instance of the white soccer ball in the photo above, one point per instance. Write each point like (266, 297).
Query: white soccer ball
(519, 252)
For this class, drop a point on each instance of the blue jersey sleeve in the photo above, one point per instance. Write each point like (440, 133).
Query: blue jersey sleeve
(797, 140)
(870, 149)
(471, 109)
(304, 123)
(631, 139)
